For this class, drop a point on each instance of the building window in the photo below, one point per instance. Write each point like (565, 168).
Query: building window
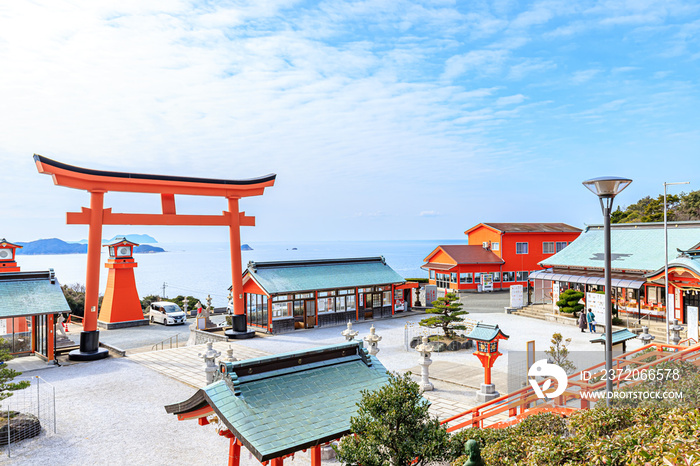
(377, 300)
(442, 280)
(257, 309)
(386, 298)
(453, 277)
(497, 277)
(521, 248)
(548, 247)
(432, 275)
(477, 277)
(350, 303)
(495, 246)
(521, 276)
(281, 309)
(304, 296)
(508, 276)
(326, 305)
(463, 277)
(561, 245)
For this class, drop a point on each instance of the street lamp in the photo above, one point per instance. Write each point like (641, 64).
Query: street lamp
(668, 310)
(606, 188)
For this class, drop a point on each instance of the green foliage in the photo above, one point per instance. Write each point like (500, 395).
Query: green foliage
(678, 208)
(559, 354)
(7, 386)
(393, 427)
(569, 302)
(448, 311)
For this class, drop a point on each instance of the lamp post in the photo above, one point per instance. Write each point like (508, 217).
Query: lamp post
(606, 188)
(668, 316)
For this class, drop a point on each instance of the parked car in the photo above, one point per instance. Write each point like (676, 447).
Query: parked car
(167, 313)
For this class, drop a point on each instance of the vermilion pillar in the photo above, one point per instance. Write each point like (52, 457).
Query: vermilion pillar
(234, 452)
(316, 456)
(92, 279)
(236, 267)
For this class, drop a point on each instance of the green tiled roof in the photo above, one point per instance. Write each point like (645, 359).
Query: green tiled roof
(289, 277)
(618, 336)
(634, 246)
(485, 332)
(30, 293)
(281, 404)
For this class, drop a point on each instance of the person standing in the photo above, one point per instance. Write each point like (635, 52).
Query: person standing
(582, 321)
(591, 321)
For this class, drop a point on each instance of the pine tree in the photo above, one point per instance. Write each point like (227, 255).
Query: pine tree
(448, 311)
(393, 427)
(7, 375)
(569, 302)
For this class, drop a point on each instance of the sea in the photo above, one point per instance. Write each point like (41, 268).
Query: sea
(201, 269)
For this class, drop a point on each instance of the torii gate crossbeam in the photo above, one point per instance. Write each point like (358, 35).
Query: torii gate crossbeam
(98, 182)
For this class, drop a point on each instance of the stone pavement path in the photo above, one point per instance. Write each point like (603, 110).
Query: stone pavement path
(185, 365)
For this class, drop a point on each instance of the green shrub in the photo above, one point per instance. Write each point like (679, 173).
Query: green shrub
(569, 302)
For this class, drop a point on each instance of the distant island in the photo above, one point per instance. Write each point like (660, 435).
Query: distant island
(139, 239)
(245, 247)
(57, 246)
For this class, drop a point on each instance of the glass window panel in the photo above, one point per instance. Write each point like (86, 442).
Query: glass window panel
(561, 245)
(377, 300)
(548, 247)
(477, 277)
(340, 304)
(350, 303)
(521, 248)
(453, 277)
(497, 276)
(386, 299)
(495, 246)
(508, 276)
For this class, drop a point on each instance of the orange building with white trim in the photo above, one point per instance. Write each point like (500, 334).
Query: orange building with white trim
(497, 255)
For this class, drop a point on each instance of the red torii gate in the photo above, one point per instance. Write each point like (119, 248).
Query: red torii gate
(98, 182)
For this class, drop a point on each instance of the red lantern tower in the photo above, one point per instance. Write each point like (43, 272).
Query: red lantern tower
(7, 256)
(486, 337)
(121, 306)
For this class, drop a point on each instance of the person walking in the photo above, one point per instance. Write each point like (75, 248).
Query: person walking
(591, 321)
(582, 321)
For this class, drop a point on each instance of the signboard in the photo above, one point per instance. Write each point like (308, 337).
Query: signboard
(678, 303)
(670, 308)
(530, 353)
(516, 296)
(487, 282)
(430, 294)
(596, 302)
(692, 315)
(555, 295)
(201, 323)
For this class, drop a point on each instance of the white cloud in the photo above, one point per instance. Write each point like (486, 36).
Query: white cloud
(429, 213)
(510, 100)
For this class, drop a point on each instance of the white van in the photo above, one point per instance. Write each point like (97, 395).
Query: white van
(167, 313)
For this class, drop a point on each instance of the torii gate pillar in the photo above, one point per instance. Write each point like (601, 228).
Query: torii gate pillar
(98, 182)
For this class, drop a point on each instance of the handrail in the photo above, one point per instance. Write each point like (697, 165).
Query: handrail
(525, 396)
(170, 342)
(688, 340)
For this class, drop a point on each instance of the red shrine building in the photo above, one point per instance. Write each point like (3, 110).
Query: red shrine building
(497, 255)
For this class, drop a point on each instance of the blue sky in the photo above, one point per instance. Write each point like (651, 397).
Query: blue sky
(382, 119)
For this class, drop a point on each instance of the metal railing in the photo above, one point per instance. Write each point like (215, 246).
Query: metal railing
(168, 341)
(27, 413)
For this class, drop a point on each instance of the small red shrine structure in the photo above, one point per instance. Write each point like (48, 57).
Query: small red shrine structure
(99, 182)
(121, 306)
(486, 337)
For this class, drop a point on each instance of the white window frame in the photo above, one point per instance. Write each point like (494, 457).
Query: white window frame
(548, 247)
(519, 248)
(561, 245)
(495, 246)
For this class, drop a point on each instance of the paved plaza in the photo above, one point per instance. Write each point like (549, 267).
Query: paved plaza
(112, 411)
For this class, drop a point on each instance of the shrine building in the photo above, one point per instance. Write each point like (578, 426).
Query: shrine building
(278, 405)
(496, 256)
(288, 295)
(29, 304)
(638, 263)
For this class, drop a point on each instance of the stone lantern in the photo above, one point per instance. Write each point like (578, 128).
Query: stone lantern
(372, 341)
(425, 349)
(209, 357)
(645, 337)
(675, 329)
(349, 333)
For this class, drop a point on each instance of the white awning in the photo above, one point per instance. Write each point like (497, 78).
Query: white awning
(585, 279)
